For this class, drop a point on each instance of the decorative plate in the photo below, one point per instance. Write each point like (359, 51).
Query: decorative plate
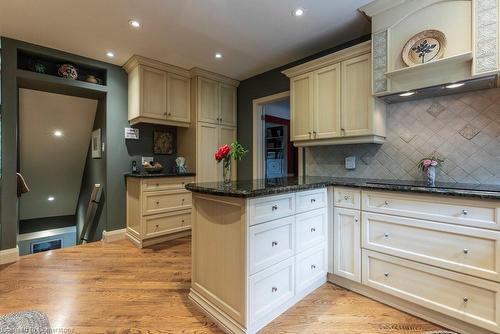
(67, 71)
(424, 47)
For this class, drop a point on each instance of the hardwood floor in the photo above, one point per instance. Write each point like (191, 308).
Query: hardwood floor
(117, 288)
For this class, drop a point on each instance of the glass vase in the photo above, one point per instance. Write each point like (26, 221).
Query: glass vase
(431, 176)
(226, 171)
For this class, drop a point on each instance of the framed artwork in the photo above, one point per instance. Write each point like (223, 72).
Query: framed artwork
(163, 142)
(96, 144)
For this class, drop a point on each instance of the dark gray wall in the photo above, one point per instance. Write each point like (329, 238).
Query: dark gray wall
(116, 160)
(265, 84)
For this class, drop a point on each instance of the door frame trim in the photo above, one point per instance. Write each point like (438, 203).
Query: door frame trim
(258, 131)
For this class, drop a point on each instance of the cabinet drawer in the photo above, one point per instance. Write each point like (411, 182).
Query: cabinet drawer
(269, 208)
(470, 299)
(472, 212)
(270, 243)
(163, 201)
(167, 223)
(310, 200)
(310, 229)
(165, 183)
(464, 249)
(309, 267)
(348, 198)
(271, 288)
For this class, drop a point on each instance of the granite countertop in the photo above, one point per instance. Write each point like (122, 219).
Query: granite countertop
(257, 188)
(153, 175)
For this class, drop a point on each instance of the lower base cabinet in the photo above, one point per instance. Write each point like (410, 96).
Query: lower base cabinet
(439, 264)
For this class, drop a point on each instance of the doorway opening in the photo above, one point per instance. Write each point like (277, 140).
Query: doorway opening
(55, 132)
(274, 153)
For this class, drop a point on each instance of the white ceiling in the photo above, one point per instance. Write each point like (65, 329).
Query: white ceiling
(253, 35)
(53, 166)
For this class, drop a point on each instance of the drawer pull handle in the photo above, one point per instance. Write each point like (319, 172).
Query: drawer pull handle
(313, 267)
(386, 274)
(356, 219)
(313, 229)
(274, 207)
(386, 203)
(157, 226)
(157, 202)
(313, 200)
(274, 289)
(466, 251)
(465, 212)
(346, 198)
(274, 244)
(386, 235)
(182, 220)
(157, 184)
(466, 299)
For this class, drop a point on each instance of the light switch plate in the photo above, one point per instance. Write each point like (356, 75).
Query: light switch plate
(147, 159)
(350, 162)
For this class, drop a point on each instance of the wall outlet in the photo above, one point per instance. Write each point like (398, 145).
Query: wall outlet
(350, 162)
(146, 159)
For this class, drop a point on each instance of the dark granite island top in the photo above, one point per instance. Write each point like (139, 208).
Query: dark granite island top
(153, 175)
(258, 188)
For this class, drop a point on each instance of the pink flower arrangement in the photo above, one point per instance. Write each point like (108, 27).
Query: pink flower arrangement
(222, 153)
(432, 161)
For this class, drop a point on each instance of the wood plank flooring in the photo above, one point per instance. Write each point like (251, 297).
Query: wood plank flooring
(117, 288)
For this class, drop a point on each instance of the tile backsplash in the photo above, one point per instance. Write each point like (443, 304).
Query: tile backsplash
(463, 129)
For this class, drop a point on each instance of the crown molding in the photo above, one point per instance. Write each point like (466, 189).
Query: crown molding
(379, 6)
(199, 72)
(136, 60)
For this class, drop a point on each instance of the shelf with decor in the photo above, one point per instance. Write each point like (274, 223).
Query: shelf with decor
(60, 68)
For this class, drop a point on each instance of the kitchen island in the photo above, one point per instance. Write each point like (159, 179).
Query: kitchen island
(261, 246)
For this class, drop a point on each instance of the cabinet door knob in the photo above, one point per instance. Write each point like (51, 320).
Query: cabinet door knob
(386, 274)
(313, 266)
(169, 114)
(182, 220)
(386, 203)
(465, 212)
(356, 219)
(466, 251)
(274, 244)
(313, 200)
(274, 207)
(466, 299)
(274, 289)
(157, 226)
(346, 197)
(313, 229)
(157, 202)
(386, 235)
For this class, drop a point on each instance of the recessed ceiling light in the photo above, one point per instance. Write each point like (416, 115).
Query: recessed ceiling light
(134, 23)
(218, 55)
(51, 198)
(455, 85)
(298, 12)
(406, 94)
(110, 54)
(58, 133)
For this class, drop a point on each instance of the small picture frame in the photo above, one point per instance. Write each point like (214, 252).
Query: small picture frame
(96, 144)
(163, 142)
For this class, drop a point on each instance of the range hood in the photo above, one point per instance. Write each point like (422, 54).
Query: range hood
(444, 89)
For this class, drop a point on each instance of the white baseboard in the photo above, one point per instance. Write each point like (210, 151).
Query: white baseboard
(9, 255)
(114, 235)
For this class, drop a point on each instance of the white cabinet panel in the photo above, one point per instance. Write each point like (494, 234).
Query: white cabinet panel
(347, 240)
(311, 228)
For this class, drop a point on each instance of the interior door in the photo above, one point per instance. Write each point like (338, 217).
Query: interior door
(178, 98)
(327, 102)
(153, 93)
(227, 105)
(208, 100)
(356, 92)
(301, 105)
(347, 244)
(227, 135)
(207, 169)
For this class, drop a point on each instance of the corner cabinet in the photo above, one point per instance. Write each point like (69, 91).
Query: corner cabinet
(158, 93)
(331, 100)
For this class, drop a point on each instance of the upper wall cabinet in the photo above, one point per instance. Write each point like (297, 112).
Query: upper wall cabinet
(331, 100)
(157, 93)
(470, 28)
(217, 102)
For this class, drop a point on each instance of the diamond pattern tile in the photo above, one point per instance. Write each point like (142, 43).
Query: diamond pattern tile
(464, 129)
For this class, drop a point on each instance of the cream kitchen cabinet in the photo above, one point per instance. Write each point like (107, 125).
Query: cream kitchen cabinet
(331, 101)
(217, 102)
(347, 251)
(157, 93)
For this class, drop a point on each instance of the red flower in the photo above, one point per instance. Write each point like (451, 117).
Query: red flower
(222, 152)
